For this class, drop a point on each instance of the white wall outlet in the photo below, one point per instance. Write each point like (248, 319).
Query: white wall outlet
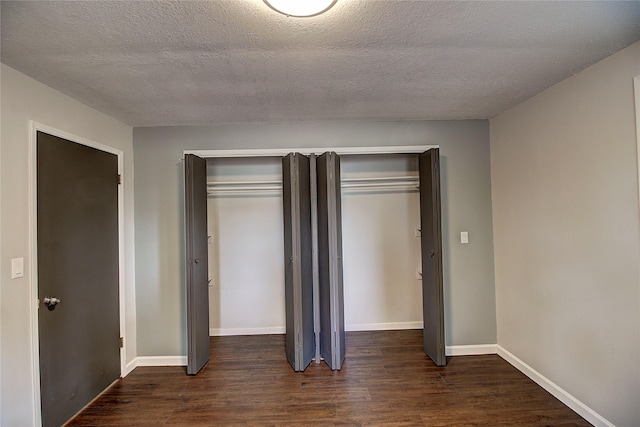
(464, 237)
(17, 268)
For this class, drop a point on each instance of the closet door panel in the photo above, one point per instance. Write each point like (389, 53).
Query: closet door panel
(196, 258)
(431, 246)
(299, 341)
(332, 336)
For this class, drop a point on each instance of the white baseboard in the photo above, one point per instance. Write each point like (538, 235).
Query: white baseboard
(155, 361)
(471, 350)
(161, 361)
(130, 367)
(383, 326)
(221, 332)
(562, 395)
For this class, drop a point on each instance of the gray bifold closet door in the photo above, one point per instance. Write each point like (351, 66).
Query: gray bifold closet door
(196, 259)
(296, 189)
(431, 245)
(332, 337)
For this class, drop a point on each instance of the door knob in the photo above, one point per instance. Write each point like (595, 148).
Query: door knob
(51, 302)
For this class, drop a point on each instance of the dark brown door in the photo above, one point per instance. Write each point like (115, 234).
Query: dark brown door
(431, 245)
(77, 233)
(298, 277)
(332, 336)
(196, 258)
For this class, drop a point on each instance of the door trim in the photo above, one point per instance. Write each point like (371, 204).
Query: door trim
(34, 127)
(636, 93)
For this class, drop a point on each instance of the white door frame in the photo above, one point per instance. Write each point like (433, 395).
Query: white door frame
(34, 128)
(636, 84)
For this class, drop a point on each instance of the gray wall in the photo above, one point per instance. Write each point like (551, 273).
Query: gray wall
(466, 198)
(565, 203)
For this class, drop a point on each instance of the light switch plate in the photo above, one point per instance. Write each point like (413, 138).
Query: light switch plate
(464, 237)
(17, 268)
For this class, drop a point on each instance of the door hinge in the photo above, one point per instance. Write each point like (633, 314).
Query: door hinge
(119, 179)
(121, 342)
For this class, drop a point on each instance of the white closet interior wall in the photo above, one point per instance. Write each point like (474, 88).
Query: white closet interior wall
(246, 248)
(381, 249)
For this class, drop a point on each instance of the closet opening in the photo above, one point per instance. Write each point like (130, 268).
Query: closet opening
(381, 242)
(246, 247)
(383, 247)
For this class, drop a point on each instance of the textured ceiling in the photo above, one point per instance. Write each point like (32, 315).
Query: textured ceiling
(205, 62)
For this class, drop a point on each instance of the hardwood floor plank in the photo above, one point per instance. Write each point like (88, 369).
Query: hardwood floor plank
(386, 380)
(272, 413)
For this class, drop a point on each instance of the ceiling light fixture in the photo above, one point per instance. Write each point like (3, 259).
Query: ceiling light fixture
(300, 8)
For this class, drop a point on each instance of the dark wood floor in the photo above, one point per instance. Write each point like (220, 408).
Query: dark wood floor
(386, 379)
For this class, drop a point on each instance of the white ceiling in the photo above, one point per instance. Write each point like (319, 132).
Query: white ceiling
(153, 63)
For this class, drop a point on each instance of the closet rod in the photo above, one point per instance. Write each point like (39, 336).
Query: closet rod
(370, 183)
(242, 187)
(382, 183)
(382, 179)
(224, 190)
(409, 178)
(394, 185)
(230, 183)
